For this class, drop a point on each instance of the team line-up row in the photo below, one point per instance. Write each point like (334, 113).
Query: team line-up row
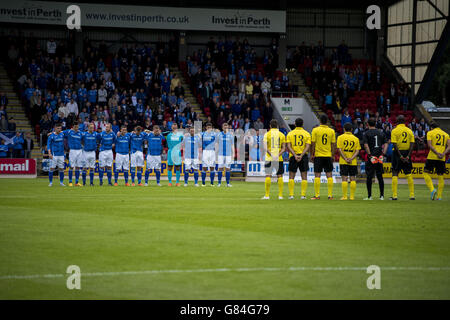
(218, 148)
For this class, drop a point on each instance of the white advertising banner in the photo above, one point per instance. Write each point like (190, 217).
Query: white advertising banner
(256, 169)
(129, 16)
(293, 108)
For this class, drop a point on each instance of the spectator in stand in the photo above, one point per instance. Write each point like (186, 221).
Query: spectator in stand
(258, 125)
(420, 137)
(28, 145)
(346, 118)
(3, 99)
(381, 101)
(3, 119)
(4, 149)
(12, 124)
(18, 145)
(51, 48)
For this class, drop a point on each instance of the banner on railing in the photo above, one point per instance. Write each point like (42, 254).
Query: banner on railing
(17, 167)
(236, 166)
(417, 170)
(256, 169)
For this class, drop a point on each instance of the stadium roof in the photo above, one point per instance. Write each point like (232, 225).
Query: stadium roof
(247, 4)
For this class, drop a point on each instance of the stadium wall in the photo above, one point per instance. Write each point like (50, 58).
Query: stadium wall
(330, 26)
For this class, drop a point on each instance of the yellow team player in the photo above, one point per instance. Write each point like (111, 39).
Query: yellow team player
(348, 146)
(275, 145)
(298, 143)
(403, 141)
(323, 143)
(438, 142)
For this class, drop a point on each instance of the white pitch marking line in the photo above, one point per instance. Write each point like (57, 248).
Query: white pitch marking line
(267, 269)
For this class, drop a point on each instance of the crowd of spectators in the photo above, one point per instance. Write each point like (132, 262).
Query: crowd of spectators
(233, 84)
(132, 86)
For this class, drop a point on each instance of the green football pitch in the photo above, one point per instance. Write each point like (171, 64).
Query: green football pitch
(210, 243)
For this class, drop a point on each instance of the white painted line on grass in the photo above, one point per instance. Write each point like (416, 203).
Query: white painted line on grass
(266, 269)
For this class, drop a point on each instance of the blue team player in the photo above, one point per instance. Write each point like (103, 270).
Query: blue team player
(106, 140)
(174, 140)
(155, 148)
(89, 141)
(192, 148)
(55, 147)
(226, 154)
(122, 155)
(137, 154)
(208, 153)
(74, 137)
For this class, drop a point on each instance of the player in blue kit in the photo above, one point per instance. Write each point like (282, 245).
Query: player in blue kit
(122, 155)
(226, 154)
(174, 140)
(89, 140)
(208, 153)
(155, 149)
(137, 154)
(74, 137)
(55, 147)
(192, 148)
(106, 139)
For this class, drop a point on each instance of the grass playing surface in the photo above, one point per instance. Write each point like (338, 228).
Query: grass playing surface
(176, 243)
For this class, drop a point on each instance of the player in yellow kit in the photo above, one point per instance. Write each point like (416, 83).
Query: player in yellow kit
(274, 144)
(348, 146)
(438, 142)
(323, 142)
(403, 141)
(298, 143)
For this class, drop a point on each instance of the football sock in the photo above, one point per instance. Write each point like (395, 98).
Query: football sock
(109, 175)
(125, 175)
(381, 184)
(70, 175)
(267, 186)
(139, 176)
(83, 175)
(196, 177)
(228, 176)
(211, 175)
(394, 186)
(369, 186)
(410, 185)
(61, 176)
(352, 189)
(203, 177)
(440, 186)
(169, 175)
(330, 186)
(158, 175)
(291, 185)
(100, 175)
(304, 187)
(50, 176)
(133, 174)
(91, 176)
(116, 175)
(280, 186)
(177, 175)
(147, 174)
(77, 176)
(219, 177)
(317, 187)
(428, 181)
(186, 176)
(344, 189)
